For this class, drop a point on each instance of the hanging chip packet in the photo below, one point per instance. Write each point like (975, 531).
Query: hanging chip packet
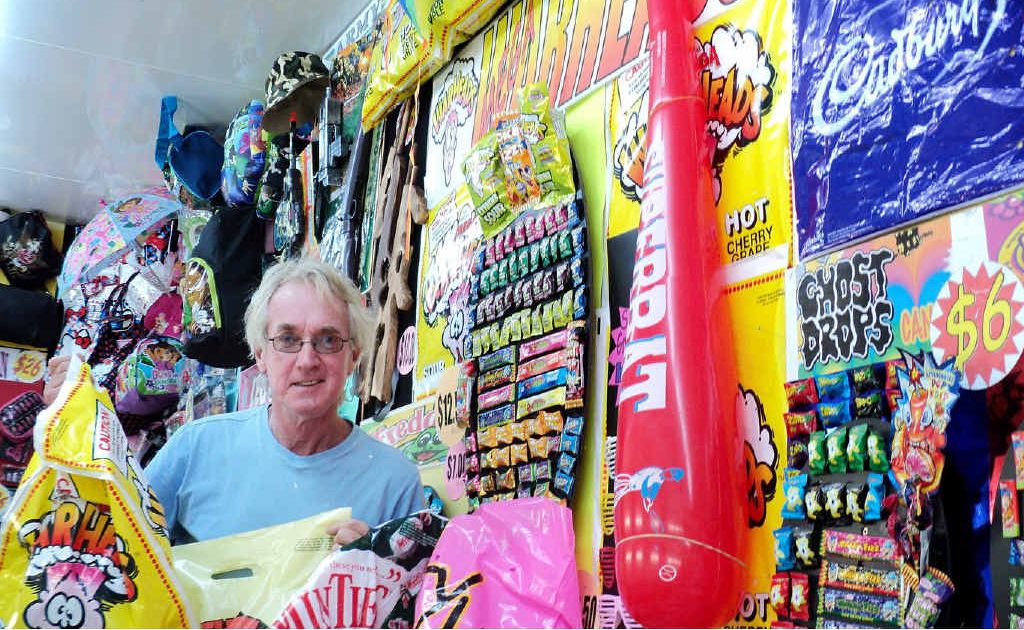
(85, 526)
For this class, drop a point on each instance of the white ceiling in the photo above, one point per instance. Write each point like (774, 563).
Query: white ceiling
(81, 83)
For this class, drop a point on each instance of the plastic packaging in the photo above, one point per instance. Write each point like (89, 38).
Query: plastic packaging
(370, 583)
(510, 564)
(249, 577)
(85, 526)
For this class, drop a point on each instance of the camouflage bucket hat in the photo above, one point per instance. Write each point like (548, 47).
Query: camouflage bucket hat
(296, 84)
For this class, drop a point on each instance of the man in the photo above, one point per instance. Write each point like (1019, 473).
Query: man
(295, 458)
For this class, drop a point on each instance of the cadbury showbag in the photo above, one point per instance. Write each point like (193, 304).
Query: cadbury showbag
(371, 582)
(902, 108)
(84, 542)
(244, 580)
(509, 564)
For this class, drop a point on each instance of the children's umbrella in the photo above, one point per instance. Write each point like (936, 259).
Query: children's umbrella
(116, 228)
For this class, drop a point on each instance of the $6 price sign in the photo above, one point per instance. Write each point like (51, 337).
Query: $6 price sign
(978, 320)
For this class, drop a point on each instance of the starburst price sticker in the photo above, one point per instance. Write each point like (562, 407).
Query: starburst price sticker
(978, 318)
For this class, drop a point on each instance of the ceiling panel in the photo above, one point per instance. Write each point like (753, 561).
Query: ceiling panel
(83, 82)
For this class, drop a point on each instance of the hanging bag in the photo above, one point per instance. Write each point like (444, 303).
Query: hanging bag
(245, 156)
(27, 255)
(32, 318)
(17, 419)
(149, 380)
(120, 329)
(221, 275)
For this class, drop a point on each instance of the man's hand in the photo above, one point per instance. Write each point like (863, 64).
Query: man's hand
(58, 367)
(345, 532)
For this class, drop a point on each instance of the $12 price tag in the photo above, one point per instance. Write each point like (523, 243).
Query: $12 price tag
(445, 406)
(978, 319)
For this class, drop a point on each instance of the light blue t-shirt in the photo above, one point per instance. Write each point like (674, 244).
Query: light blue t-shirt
(227, 474)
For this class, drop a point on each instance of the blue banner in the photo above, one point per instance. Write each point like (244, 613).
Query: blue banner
(901, 108)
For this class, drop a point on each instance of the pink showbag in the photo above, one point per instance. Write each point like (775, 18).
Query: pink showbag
(510, 564)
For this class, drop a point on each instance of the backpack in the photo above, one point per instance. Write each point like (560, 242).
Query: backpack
(32, 318)
(149, 380)
(224, 270)
(245, 155)
(27, 255)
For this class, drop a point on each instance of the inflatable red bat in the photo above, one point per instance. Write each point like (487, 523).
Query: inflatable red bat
(680, 519)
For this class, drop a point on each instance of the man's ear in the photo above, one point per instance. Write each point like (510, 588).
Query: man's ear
(260, 365)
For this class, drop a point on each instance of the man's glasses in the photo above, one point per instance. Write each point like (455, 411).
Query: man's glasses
(327, 343)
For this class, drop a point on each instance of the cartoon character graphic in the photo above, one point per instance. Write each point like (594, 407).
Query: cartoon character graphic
(737, 79)
(794, 498)
(164, 355)
(834, 503)
(198, 302)
(760, 455)
(853, 507)
(648, 482)
(78, 566)
(804, 553)
(453, 109)
(928, 393)
(799, 595)
(426, 448)
(812, 503)
(630, 151)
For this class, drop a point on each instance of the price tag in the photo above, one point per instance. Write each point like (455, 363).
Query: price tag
(445, 402)
(28, 367)
(406, 358)
(978, 319)
(455, 471)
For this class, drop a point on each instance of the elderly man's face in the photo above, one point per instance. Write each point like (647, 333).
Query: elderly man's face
(306, 384)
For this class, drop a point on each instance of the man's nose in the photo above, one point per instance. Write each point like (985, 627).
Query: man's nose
(308, 355)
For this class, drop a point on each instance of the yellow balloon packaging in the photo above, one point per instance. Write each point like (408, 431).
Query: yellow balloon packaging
(84, 541)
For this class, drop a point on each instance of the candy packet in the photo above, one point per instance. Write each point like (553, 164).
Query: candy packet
(1017, 437)
(799, 598)
(801, 394)
(1010, 508)
(793, 489)
(779, 597)
(784, 559)
(817, 455)
(835, 445)
(878, 458)
(833, 386)
(857, 447)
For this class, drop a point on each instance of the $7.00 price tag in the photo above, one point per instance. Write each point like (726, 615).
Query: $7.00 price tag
(978, 319)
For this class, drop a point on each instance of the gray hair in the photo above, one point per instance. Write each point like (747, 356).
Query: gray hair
(329, 285)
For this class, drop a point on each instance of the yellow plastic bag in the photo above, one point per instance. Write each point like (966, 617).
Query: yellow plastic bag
(402, 59)
(249, 577)
(417, 38)
(452, 20)
(84, 543)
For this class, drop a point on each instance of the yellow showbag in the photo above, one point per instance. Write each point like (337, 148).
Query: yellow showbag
(84, 544)
(238, 580)
(417, 38)
(401, 60)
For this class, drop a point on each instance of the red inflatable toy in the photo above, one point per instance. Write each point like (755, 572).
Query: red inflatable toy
(680, 519)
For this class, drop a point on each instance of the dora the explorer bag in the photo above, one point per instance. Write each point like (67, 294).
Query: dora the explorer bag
(84, 541)
(149, 379)
(221, 275)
